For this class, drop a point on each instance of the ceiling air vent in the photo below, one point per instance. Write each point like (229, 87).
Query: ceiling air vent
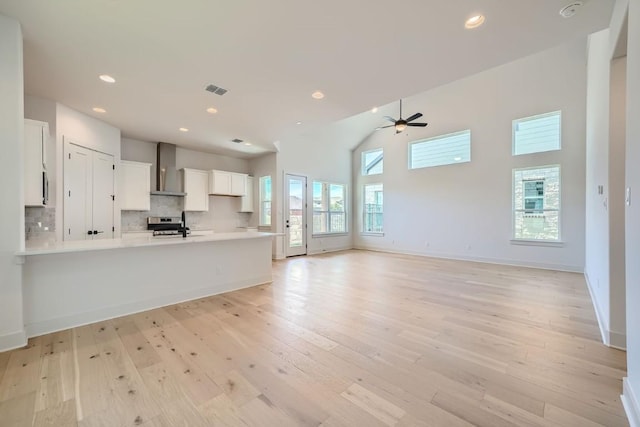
(216, 89)
(236, 140)
(571, 9)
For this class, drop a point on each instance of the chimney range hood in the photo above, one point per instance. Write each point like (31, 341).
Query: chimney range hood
(167, 177)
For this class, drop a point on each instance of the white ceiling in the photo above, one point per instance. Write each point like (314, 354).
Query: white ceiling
(270, 55)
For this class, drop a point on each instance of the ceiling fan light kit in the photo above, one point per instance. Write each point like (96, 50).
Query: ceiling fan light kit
(401, 124)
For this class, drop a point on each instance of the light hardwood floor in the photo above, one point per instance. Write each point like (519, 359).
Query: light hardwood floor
(348, 339)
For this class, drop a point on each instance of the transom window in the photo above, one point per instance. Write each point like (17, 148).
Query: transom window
(329, 213)
(372, 162)
(440, 150)
(536, 134)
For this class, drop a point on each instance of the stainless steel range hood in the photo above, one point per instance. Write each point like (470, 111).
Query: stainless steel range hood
(167, 176)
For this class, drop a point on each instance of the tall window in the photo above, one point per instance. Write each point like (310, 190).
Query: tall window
(372, 162)
(537, 133)
(536, 203)
(329, 213)
(265, 200)
(372, 209)
(440, 150)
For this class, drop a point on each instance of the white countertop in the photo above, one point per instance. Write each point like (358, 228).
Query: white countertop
(43, 248)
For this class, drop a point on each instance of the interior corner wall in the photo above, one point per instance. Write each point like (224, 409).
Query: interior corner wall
(12, 333)
(597, 162)
(632, 233)
(44, 110)
(321, 155)
(464, 211)
(615, 193)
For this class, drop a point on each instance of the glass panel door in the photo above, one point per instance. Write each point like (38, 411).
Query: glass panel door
(296, 218)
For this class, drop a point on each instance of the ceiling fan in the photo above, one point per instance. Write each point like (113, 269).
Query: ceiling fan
(401, 124)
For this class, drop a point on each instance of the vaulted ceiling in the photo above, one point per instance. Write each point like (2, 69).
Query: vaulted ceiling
(270, 56)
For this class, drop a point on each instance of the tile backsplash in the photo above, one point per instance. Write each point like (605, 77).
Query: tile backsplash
(223, 215)
(39, 223)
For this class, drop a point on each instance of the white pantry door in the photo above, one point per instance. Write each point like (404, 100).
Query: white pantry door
(88, 194)
(103, 196)
(295, 221)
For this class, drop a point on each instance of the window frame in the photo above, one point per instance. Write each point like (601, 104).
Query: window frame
(363, 231)
(538, 212)
(363, 164)
(315, 233)
(435, 138)
(263, 200)
(515, 122)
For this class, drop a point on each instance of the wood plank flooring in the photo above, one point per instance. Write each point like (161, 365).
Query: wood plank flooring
(353, 338)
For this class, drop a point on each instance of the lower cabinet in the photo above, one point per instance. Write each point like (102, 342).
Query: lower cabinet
(196, 184)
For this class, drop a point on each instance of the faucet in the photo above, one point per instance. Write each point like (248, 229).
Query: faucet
(184, 225)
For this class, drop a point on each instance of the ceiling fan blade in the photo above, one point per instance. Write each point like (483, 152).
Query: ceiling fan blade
(420, 125)
(415, 116)
(384, 127)
(391, 119)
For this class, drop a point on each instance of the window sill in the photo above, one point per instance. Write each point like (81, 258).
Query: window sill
(371, 233)
(321, 235)
(547, 243)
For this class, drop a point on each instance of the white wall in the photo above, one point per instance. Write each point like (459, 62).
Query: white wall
(597, 215)
(617, 137)
(464, 211)
(11, 193)
(319, 155)
(632, 234)
(263, 166)
(74, 126)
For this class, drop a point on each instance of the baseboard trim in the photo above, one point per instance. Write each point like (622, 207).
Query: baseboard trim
(630, 403)
(498, 261)
(602, 323)
(609, 338)
(80, 319)
(326, 251)
(13, 340)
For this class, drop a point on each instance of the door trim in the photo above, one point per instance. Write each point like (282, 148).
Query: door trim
(303, 250)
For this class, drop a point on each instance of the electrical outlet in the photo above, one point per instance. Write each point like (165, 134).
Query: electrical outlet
(627, 198)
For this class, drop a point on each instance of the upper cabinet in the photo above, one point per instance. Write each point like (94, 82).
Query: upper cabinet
(134, 186)
(36, 137)
(246, 202)
(196, 184)
(224, 183)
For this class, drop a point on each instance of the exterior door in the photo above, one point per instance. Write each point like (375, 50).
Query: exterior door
(88, 194)
(295, 221)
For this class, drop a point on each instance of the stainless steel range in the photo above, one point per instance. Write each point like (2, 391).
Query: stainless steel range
(167, 226)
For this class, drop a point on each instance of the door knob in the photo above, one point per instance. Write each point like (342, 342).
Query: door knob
(89, 232)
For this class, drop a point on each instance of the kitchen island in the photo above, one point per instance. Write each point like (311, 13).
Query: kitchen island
(68, 284)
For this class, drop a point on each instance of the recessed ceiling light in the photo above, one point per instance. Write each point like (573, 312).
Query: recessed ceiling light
(184, 130)
(474, 22)
(298, 123)
(107, 78)
(317, 95)
(374, 110)
(99, 110)
(212, 110)
(247, 143)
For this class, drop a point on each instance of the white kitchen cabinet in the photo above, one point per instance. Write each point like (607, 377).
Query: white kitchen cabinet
(134, 186)
(224, 183)
(88, 194)
(238, 184)
(246, 201)
(196, 184)
(36, 138)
